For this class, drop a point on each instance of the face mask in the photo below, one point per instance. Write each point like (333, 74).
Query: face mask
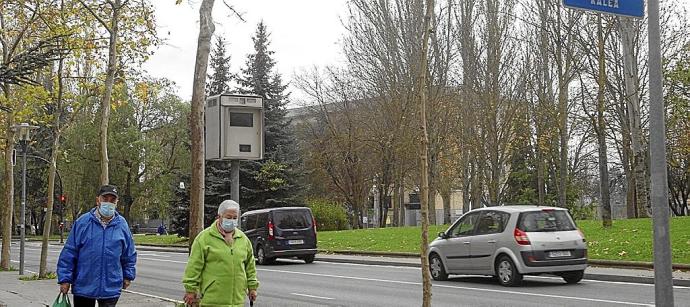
(107, 209)
(228, 224)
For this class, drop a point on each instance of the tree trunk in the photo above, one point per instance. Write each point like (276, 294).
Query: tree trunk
(8, 213)
(108, 91)
(47, 223)
(424, 157)
(601, 132)
(206, 28)
(634, 117)
(627, 166)
(562, 119)
(445, 195)
(397, 204)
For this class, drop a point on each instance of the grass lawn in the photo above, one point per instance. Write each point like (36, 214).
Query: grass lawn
(160, 240)
(629, 240)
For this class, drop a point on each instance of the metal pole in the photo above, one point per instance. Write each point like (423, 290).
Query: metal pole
(663, 274)
(235, 174)
(22, 226)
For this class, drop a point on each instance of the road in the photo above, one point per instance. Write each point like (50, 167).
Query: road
(293, 283)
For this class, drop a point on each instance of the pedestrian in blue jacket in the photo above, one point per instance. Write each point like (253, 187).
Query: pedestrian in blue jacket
(99, 257)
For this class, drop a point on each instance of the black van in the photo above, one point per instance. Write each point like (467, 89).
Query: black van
(281, 233)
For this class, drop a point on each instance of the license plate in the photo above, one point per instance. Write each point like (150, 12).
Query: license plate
(296, 242)
(556, 254)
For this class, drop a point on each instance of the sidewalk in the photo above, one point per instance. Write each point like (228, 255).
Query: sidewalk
(17, 293)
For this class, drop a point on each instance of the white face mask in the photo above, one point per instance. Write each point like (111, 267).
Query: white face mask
(228, 224)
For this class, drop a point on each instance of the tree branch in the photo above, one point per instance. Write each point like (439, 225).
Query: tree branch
(101, 21)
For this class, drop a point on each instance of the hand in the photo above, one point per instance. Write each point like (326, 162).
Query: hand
(64, 287)
(252, 295)
(126, 283)
(190, 298)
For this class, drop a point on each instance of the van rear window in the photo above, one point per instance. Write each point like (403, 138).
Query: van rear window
(293, 219)
(545, 221)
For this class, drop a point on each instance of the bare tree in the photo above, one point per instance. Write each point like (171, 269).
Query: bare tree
(196, 119)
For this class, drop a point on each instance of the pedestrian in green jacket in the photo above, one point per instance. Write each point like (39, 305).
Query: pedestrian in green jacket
(221, 269)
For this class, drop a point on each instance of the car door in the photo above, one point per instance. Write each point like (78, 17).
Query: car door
(486, 239)
(456, 247)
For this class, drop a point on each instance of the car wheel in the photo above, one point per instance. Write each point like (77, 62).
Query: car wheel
(436, 268)
(308, 258)
(573, 277)
(261, 256)
(507, 272)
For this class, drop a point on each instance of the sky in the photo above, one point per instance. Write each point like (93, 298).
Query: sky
(304, 33)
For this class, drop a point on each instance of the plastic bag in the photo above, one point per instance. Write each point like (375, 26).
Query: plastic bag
(62, 300)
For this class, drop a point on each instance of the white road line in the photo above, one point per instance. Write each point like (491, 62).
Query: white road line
(155, 296)
(609, 282)
(370, 265)
(162, 260)
(462, 288)
(152, 254)
(313, 296)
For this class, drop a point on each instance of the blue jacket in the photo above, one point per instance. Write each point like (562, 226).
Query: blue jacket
(95, 260)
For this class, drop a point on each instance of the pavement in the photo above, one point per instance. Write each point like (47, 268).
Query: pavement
(15, 292)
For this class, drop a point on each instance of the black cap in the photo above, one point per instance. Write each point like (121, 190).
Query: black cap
(107, 189)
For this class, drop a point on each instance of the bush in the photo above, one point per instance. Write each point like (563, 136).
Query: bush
(329, 215)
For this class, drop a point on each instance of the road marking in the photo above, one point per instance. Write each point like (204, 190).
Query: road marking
(609, 282)
(153, 254)
(154, 296)
(162, 260)
(369, 265)
(313, 296)
(462, 288)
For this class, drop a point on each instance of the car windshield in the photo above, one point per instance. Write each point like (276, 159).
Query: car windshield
(545, 221)
(293, 219)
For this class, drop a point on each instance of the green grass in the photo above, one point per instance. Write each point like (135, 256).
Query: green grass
(629, 240)
(12, 269)
(394, 239)
(161, 240)
(49, 275)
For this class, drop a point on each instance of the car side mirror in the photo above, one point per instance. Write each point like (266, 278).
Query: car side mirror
(442, 235)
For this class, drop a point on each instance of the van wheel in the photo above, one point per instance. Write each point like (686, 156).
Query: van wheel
(573, 277)
(308, 258)
(507, 272)
(261, 256)
(438, 271)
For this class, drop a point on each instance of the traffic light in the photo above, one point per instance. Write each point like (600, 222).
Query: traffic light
(63, 198)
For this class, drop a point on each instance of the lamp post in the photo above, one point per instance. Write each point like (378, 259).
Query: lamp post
(24, 132)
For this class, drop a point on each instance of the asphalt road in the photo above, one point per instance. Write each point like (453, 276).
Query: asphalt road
(293, 283)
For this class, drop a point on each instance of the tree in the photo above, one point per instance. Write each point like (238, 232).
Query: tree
(196, 119)
(112, 27)
(273, 181)
(219, 81)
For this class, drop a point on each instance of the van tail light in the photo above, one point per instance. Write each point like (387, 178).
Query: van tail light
(521, 237)
(270, 231)
(582, 235)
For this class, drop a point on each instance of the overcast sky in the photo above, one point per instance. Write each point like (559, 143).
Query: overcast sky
(304, 33)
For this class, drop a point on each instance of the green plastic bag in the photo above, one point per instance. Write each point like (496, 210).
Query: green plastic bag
(62, 300)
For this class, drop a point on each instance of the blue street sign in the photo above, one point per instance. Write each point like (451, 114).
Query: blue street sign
(630, 8)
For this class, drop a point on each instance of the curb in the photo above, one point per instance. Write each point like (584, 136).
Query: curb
(593, 262)
(600, 277)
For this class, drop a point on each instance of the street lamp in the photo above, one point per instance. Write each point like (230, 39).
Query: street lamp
(23, 131)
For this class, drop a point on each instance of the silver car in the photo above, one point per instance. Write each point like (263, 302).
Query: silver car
(509, 242)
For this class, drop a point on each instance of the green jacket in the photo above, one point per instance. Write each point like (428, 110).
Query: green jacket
(221, 272)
